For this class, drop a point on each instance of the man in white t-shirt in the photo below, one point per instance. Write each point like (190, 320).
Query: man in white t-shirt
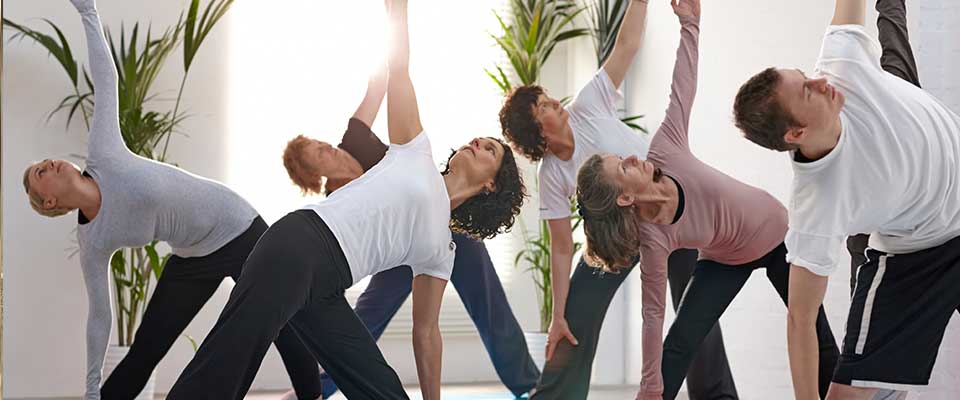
(872, 153)
(541, 129)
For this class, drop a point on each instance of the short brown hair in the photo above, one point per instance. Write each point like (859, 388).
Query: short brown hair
(760, 115)
(519, 125)
(613, 237)
(301, 173)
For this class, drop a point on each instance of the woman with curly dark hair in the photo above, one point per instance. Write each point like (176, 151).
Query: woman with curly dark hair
(400, 212)
(317, 167)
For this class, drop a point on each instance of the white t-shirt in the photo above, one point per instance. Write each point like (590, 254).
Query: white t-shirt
(895, 172)
(596, 129)
(397, 213)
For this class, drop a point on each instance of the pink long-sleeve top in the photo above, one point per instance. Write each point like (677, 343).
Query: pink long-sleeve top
(729, 221)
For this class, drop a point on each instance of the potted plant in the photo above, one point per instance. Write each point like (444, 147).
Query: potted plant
(536, 254)
(531, 31)
(146, 132)
(534, 28)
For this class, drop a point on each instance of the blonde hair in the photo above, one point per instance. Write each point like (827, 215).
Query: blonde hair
(613, 237)
(36, 202)
(306, 177)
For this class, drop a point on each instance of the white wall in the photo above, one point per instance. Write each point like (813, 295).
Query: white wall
(45, 305)
(232, 101)
(736, 42)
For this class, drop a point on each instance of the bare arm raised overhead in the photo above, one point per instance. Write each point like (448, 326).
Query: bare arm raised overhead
(403, 120)
(628, 42)
(376, 89)
(403, 115)
(849, 12)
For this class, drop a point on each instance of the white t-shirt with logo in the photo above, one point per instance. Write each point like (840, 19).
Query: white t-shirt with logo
(396, 213)
(596, 129)
(895, 172)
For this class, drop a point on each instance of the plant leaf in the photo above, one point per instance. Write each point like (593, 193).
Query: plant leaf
(58, 48)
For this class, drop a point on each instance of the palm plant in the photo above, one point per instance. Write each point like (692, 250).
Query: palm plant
(139, 60)
(536, 254)
(606, 16)
(530, 34)
(531, 31)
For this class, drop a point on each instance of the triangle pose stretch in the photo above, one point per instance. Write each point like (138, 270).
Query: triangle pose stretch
(648, 208)
(309, 162)
(124, 200)
(564, 138)
(871, 153)
(400, 212)
(875, 161)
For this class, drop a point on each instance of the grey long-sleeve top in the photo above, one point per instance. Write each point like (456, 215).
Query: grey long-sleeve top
(141, 201)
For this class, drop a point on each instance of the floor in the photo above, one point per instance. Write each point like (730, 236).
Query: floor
(488, 392)
(478, 392)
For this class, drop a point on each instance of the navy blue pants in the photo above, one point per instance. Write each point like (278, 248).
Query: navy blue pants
(482, 294)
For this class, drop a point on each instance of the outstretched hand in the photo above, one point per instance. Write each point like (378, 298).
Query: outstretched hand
(84, 5)
(686, 9)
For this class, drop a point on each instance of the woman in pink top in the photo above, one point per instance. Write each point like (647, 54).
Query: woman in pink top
(673, 200)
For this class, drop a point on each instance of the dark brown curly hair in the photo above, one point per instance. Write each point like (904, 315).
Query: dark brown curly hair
(519, 125)
(488, 214)
(760, 115)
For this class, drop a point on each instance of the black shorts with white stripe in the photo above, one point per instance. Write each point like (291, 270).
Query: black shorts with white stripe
(898, 314)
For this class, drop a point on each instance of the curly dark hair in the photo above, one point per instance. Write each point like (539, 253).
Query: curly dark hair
(760, 115)
(488, 214)
(519, 125)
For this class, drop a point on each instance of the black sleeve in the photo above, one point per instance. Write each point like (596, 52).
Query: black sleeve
(362, 144)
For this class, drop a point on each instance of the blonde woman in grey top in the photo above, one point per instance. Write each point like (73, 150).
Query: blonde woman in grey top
(124, 200)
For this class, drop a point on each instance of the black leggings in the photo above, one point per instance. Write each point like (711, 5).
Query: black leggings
(711, 289)
(567, 374)
(184, 287)
(297, 274)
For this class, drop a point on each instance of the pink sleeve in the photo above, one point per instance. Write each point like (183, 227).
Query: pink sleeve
(683, 90)
(653, 276)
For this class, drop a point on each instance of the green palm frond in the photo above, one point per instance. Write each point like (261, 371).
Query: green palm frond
(606, 16)
(138, 67)
(195, 31)
(535, 28)
(58, 47)
(630, 121)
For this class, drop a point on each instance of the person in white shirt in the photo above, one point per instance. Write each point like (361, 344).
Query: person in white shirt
(400, 212)
(562, 139)
(872, 153)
